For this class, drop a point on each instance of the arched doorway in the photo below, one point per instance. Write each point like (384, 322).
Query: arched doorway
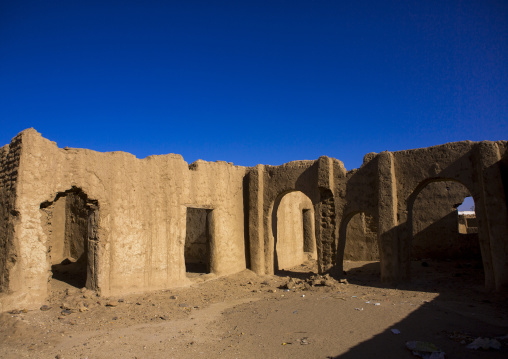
(437, 232)
(440, 248)
(294, 234)
(70, 222)
(359, 252)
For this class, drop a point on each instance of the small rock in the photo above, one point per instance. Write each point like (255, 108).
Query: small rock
(173, 297)
(112, 303)
(272, 290)
(328, 283)
(66, 312)
(316, 282)
(343, 281)
(87, 294)
(45, 308)
(66, 306)
(164, 317)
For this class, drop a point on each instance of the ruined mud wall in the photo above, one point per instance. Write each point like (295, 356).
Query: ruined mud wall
(435, 224)
(141, 215)
(267, 186)
(403, 174)
(9, 169)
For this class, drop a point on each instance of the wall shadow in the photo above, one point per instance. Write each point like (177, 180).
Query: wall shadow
(462, 310)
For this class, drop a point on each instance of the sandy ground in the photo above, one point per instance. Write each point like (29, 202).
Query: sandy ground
(248, 316)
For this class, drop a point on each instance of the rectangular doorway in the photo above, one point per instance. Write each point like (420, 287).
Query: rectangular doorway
(198, 239)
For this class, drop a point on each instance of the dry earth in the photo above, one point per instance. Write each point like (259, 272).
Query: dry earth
(247, 316)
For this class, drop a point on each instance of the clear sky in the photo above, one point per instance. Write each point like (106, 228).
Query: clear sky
(254, 81)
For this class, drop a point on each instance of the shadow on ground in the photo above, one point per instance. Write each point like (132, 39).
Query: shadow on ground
(461, 311)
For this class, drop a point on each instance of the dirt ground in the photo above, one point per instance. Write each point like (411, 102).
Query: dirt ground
(294, 314)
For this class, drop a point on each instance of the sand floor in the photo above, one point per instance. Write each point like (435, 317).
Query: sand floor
(249, 316)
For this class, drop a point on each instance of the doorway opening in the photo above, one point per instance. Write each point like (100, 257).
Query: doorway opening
(295, 239)
(361, 251)
(198, 240)
(70, 222)
(442, 246)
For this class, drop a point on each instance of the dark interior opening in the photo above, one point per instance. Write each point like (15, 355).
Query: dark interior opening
(67, 225)
(197, 240)
(308, 239)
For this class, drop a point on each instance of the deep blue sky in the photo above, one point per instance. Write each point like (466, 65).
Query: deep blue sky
(254, 81)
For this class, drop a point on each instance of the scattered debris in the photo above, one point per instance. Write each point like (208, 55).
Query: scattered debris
(425, 350)
(314, 281)
(461, 338)
(484, 343)
(304, 341)
(18, 311)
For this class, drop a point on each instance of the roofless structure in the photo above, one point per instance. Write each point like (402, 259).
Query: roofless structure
(117, 224)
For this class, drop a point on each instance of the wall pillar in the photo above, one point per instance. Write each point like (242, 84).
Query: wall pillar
(324, 212)
(256, 229)
(492, 216)
(387, 227)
